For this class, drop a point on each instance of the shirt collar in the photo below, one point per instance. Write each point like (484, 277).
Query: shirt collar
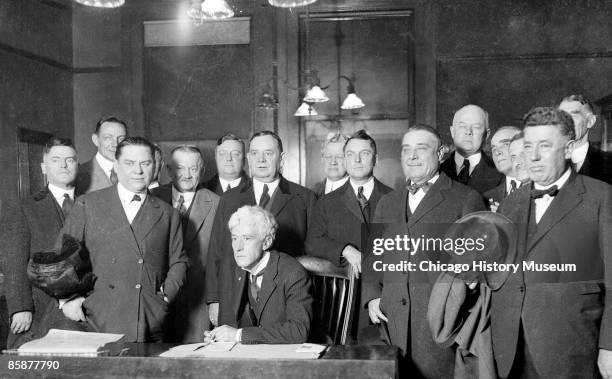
(509, 181)
(368, 187)
(261, 265)
(233, 184)
(258, 186)
(559, 183)
(154, 184)
(126, 195)
(331, 185)
(58, 193)
(579, 154)
(187, 196)
(474, 159)
(106, 165)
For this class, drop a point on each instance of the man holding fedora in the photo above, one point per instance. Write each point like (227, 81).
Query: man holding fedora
(556, 324)
(400, 299)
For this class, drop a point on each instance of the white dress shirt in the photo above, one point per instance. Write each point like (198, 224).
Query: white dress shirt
(187, 198)
(106, 165)
(258, 188)
(474, 160)
(154, 184)
(58, 193)
(263, 262)
(331, 185)
(509, 181)
(368, 187)
(233, 184)
(415, 200)
(542, 204)
(579, 155)
(130, 207)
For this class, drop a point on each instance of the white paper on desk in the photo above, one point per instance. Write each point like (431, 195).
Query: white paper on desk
(198, 349)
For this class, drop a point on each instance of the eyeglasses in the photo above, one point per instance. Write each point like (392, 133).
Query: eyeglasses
(328, 157)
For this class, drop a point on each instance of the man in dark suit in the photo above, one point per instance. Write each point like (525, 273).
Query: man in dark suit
(500, 151)
(555, 324)
(271, 298)
(188, 318)
(400, 298)
(586, 159)
(334, 167)
(98, 172)
(32, 227)
(290, 203)
(469, 164)
(136, 248)
(335, 228)
(229, 157)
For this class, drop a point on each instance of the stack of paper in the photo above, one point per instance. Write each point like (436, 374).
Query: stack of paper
(237, 350)
(60, 342)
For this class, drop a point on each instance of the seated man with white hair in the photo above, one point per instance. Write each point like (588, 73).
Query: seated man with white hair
(272, 299)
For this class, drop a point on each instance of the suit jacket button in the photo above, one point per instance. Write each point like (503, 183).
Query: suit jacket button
(404, 301)
(522, 288)
(140, 261)
(114, 260)
(138, 286)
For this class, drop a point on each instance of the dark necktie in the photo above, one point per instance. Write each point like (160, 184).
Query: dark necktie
(414, 187)
(228, 188)
(464, 173)
(113, 177)
(265, 198)
(552, 191)
(181, 206)
(513, 186)
(254, 287)
(136, 198)
(363, 204)
(67, 205)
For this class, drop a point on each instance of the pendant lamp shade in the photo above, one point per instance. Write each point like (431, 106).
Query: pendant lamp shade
(352, 101)
(102, 3)
(305, 110)
(290, 3)
(315, 95)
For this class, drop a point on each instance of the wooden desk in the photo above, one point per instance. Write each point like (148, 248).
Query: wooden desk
(142, 362)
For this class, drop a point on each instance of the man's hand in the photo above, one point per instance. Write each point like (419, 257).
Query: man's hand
(353, 257)
(493, 205)
(374, 311)
(21, 322)
(223, 333)
(73, 309)
(604, 361)
(213, 313)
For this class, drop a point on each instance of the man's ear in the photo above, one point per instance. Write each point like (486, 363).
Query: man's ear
(281, 163)
(569, 148)
(267, 242)
(94, 139)
(440, 153)
(591, 120)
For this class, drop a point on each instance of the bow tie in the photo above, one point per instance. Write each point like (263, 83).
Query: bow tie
(414, 187)
(552, 191)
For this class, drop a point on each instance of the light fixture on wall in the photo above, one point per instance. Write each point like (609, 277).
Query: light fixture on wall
(305, 109)
(352, 101)
(102, 3)
(268, 98)
(315, 93)
(290, 3)
(199, 11)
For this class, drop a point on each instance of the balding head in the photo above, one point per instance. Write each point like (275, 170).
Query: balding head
(469, 129)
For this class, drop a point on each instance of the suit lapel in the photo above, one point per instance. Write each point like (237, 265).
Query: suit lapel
(568, 198)
(240, 280)
(432, 198)
(350, 201)
(148, 215)
(281, 198)
(115, 217)
(268, 284)
(200, 207)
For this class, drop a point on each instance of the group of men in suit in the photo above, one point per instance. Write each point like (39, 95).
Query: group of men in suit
(170, 260)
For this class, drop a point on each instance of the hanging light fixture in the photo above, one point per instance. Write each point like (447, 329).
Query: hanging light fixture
(268, 99)
(199, 11)
(305, 110)
(290, 3)
(315, 93)
(352, 101)
(102, 3)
